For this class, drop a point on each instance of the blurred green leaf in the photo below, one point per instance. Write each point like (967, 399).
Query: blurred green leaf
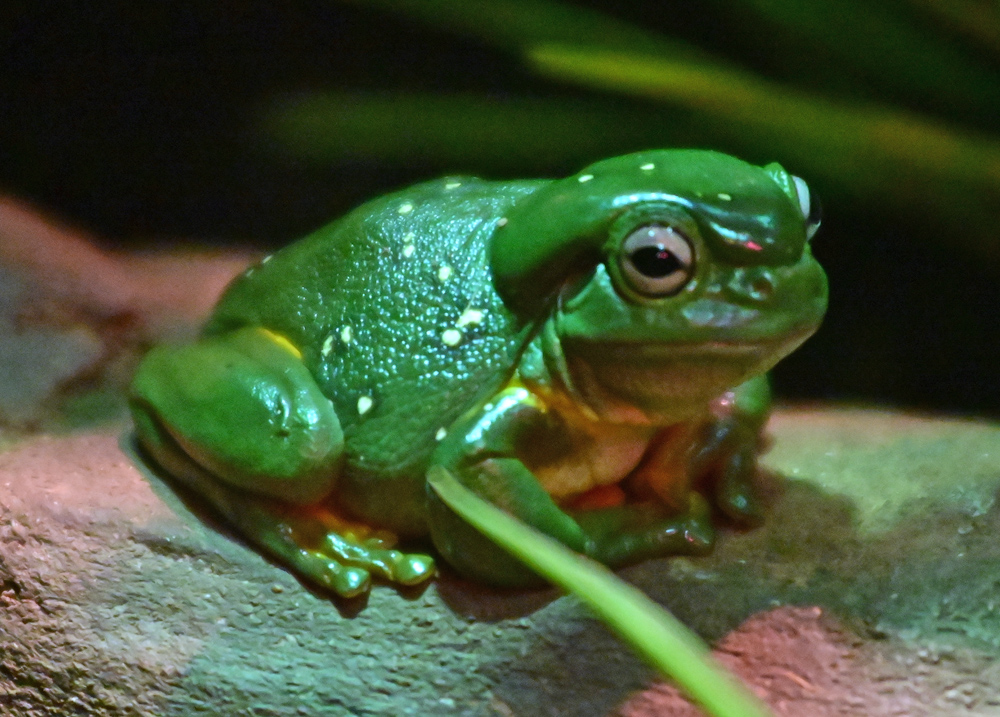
(883, 44)
(457, 131)
(516, 24)
(841, 132)
(656, 634)
(978, 20)
(869, 150)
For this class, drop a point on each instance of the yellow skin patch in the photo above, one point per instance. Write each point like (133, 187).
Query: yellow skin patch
(282, 342)
(332, 521)
(604, 453)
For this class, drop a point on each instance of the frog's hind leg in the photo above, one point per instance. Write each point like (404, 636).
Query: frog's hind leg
(312, 540)
(239, 419)
(269, 524)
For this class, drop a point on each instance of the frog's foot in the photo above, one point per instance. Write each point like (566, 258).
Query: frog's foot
(325, 549)
(735, 488)
(330, 552)
(633, 532)
(727, 466)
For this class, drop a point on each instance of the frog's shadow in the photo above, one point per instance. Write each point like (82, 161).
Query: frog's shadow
(463, 596)
(491, 604)
(485, 603)
(191, 507)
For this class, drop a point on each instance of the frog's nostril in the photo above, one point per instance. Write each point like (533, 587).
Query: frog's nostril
(755, 285)
(761, 289)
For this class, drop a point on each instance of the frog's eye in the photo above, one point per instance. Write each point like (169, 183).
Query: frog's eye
(810, 206)
(656, 260)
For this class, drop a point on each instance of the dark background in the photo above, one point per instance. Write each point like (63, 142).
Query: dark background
(140, 123)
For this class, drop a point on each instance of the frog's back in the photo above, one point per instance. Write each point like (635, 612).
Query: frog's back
(394, 311)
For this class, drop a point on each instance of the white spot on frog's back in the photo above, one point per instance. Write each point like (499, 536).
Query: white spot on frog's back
(346, 335)
(469, 317)
(452, 185)
(441, 433)
(404, 208)
(409, 248)
(502, 222)
(365, 404)
(584, 178)
(725, 197)
(649, 166)
(327, 346)
(452, 337)
(444, 273)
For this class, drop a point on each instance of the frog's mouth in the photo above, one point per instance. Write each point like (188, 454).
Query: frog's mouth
(637, 382)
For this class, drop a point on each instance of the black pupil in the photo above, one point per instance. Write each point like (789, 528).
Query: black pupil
(655, 261)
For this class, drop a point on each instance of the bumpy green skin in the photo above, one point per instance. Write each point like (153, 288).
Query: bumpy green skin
(490, 327)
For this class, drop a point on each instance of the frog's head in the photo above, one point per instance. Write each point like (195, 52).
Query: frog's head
(663, 278)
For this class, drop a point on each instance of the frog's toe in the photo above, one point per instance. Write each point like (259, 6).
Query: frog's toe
(413, 568)
(392, 565)
(697, 529)
(347, 581)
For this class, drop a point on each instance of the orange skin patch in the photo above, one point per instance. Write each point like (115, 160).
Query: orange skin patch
(602, 496)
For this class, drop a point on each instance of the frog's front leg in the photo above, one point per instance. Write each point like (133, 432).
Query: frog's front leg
(726, 453)
(239, 419)
(487, 450)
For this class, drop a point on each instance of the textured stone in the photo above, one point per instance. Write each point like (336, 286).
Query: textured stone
(74, 316)
(119, 600)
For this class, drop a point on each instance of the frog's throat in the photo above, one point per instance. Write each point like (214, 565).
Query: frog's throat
(649, 385)
(572, 394)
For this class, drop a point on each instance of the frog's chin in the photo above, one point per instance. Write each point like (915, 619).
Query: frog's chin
(628, 382)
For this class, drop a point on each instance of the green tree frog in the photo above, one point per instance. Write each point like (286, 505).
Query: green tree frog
(588, 353)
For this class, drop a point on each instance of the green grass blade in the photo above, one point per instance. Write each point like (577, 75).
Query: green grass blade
(652, 631)
(517, 24)
(886, 46)
(978, 20)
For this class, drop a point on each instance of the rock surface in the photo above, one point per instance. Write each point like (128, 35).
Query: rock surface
(871, 590)
(74, 317)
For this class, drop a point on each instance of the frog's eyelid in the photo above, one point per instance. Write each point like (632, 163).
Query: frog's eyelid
(806, 201)
(802, 191)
